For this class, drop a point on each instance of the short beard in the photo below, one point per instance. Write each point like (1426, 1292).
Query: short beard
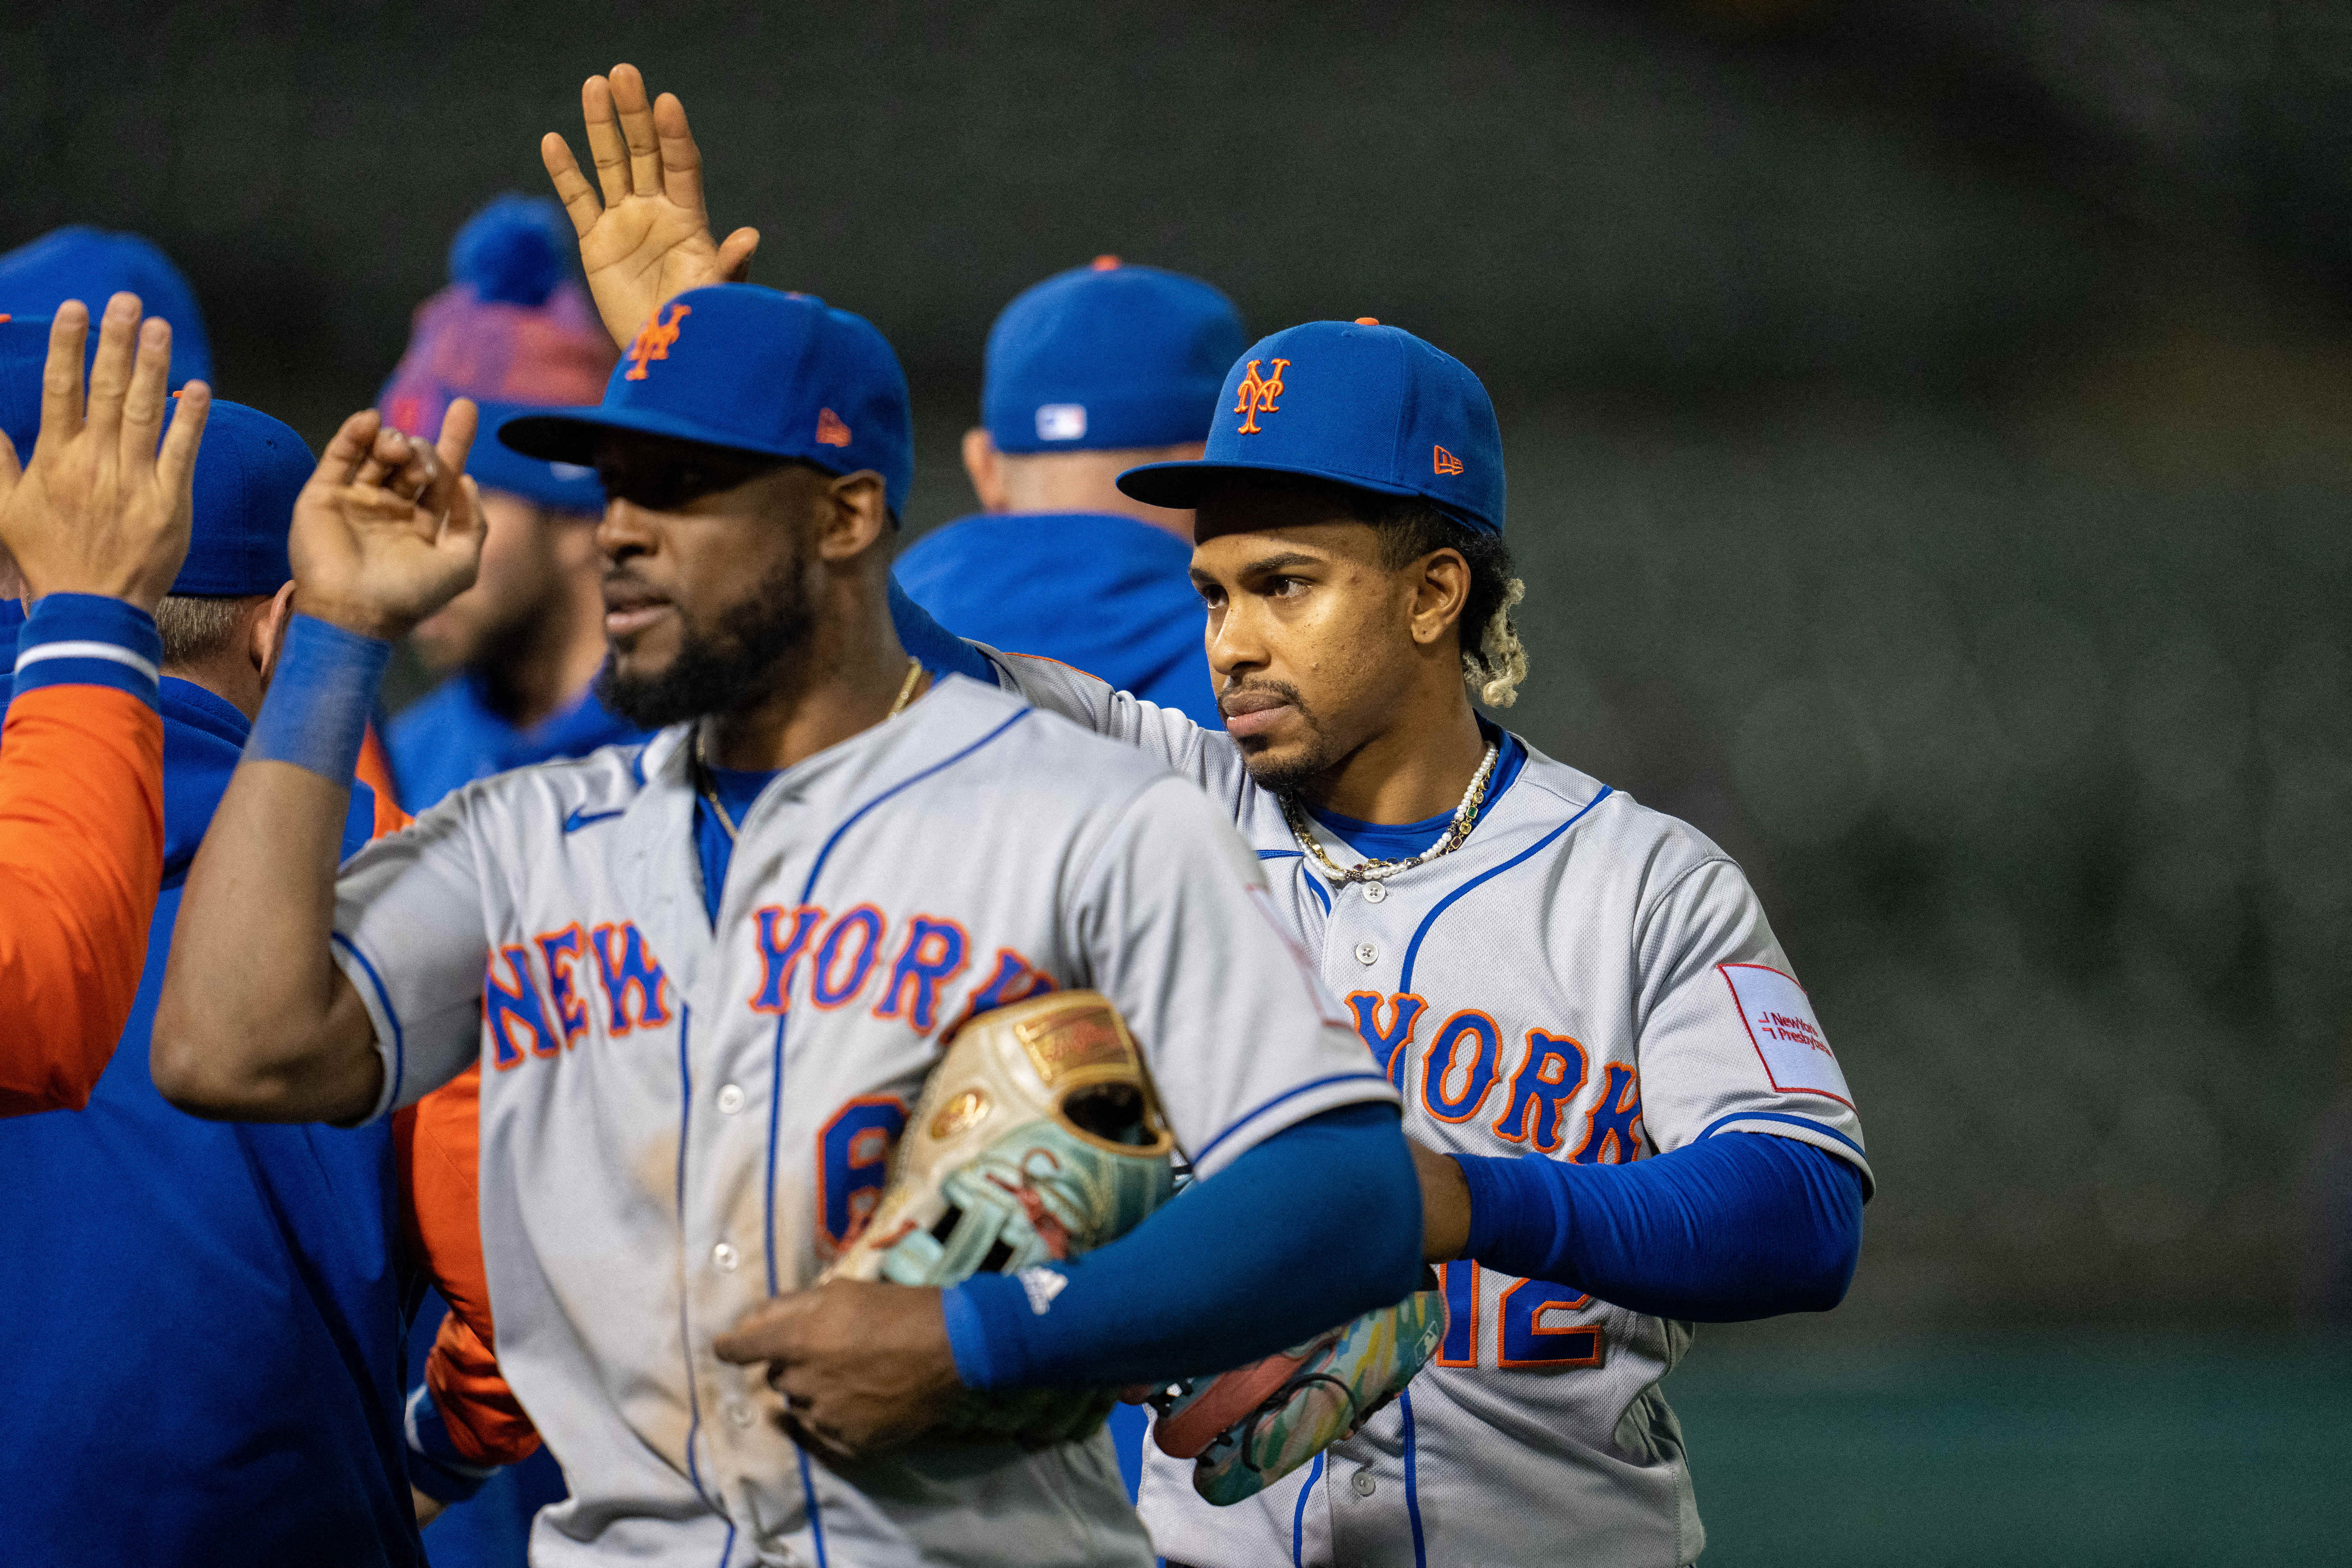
(1293, 775)
(734, 666)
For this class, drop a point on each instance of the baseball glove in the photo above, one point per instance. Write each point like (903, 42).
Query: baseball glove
(1038, 1138)
(1247, 1429)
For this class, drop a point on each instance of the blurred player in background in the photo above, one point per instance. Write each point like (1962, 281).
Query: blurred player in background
(93, 523)
(207, 1316)
(522, 646)
(1092, 372)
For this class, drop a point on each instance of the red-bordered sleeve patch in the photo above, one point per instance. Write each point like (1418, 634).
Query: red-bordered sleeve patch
(1787, 1037)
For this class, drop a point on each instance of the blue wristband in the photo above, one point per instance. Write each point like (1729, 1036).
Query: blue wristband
(316, 713)
(89, 639)
(434, 1466)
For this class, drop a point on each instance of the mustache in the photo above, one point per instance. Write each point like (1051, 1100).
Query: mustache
(1249, 696)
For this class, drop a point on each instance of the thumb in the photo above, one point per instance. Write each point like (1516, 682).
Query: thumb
(768, 1332)
(11, 470)
(735, 255)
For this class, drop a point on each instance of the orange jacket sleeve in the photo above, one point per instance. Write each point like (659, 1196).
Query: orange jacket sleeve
(439, 1147)
(81, 862)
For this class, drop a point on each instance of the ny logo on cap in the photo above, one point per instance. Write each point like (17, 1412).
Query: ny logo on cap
(1258, 394)
(652, 341)
(830, 430)
(1444, 461)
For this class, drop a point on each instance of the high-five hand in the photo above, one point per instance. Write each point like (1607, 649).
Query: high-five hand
(649, 239)
(388, 530)
(102, 507)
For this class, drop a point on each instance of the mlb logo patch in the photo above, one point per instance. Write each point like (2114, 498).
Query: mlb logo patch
(1788, 1039)
(1061, 421)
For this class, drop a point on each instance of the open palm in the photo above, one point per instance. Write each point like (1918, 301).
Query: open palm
(648, 238)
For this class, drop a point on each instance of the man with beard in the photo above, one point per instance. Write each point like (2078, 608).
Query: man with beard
(688, 965)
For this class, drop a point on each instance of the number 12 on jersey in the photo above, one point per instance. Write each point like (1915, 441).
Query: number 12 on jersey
(1524, 1319)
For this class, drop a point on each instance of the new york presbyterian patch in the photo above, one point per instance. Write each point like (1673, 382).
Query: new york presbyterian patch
(1779, 1019)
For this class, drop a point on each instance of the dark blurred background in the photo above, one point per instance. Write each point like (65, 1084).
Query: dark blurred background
(1930, 431)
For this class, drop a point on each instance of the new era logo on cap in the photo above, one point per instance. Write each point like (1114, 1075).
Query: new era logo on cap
(1444, 462)
(830, 430)
(1061, 421)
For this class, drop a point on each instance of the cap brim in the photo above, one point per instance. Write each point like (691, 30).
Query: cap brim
(1181, 485)
(572, 438)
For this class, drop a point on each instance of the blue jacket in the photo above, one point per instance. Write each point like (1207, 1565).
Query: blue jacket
(203, 1317)
(451, 736)
(1107, 595)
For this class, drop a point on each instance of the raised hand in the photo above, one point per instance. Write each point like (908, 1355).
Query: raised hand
(101, 508)
(649, 239)
(388, 530)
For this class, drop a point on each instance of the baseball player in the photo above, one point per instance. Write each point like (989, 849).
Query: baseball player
(1559, 981)
(522, 646)
(95, 517)
(1094, 371)
(1540, 966)
(706, 977)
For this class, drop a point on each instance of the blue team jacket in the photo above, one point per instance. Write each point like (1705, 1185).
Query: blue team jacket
(451, 736)
(202, 1319)
(1103, 593)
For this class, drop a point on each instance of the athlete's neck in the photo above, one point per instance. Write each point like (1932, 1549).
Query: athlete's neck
(844, 682)
(1415, 768)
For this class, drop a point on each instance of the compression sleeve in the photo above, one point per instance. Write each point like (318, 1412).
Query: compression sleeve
(1731, 1228)
(81, 844)
(1318, 1223)
(940, 649)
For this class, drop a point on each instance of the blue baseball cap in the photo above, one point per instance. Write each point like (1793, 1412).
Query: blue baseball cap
(24, 358)
(78, 262)
(1107, 356)
(754, 370)
(249, 469)
(1355, 403)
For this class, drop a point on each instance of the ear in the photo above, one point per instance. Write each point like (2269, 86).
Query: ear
(269, 632)
(856, 517)
(985, 465)
(1441, 587)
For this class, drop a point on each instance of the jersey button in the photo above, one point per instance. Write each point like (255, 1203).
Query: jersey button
(1375, 891)
(725, 1256)
(1366, 952)
(738, 1413)
(1361, 1482)
(730, 1098)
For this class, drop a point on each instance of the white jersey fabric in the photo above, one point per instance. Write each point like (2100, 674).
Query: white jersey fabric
(1585, 979)
(679, 1121)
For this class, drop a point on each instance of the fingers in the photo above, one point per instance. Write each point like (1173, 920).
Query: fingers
(62, 396)
(638, 131)
(767, 1332)
(458, 426)
(393, 461)
(681, 160)
(571, 188)
(175, 465)
(143, 407)
(605, 144)
(735, 255)
(110, 373)
(351, 445)
(11, 470)
(461, 525)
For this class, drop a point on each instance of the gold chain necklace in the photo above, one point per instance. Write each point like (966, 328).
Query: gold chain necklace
(1466, 817)
(708, 788)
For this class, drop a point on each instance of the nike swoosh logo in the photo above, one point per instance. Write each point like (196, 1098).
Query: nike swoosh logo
(580, 819)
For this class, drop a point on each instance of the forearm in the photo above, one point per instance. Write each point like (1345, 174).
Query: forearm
(80, 845)
(1311, 1227)
(256, 1022)
(1733, 1228)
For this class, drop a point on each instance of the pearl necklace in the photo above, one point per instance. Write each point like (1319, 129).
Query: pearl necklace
(1466, 817)
(709, 786)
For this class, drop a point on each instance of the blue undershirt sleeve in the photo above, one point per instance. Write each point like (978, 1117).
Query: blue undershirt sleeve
(1731, 1229)
(1318, 1223)
(940, 649)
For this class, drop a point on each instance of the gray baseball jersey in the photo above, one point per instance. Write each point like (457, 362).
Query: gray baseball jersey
(1585, 979)
(682, 1117)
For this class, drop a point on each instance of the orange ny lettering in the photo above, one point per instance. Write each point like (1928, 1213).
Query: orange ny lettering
(652, 341)
(1258, 393)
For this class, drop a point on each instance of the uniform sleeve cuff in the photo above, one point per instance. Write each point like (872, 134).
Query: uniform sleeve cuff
(89, 639)
(1515, 1211)
(985, 1319)
(434, 1466)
